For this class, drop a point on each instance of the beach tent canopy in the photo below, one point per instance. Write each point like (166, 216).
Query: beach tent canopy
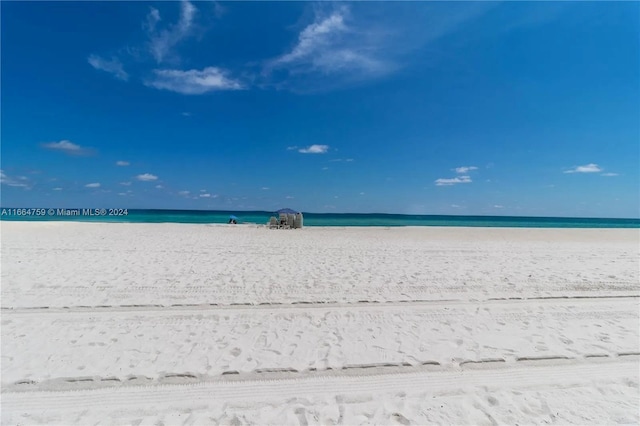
(233, 217)
(287, 211)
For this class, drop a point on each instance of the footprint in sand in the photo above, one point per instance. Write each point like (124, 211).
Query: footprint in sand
(399, 418)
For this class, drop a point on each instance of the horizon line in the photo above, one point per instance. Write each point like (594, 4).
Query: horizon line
(341, 213)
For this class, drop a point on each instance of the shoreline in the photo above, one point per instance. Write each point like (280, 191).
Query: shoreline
(312, 226)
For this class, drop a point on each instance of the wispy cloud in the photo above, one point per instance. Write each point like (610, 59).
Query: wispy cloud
(453, 181)
(57, 189)
(159, 186)
(609, 174)
(122, 163)
(20, 182)
(163, 41)
(67, 147)
(147, 177)
(125, 183)
(184, 193)
(314, 149)
(339, 160)
(330, 46)
(93, 185)
(587, 168)
(205, 195)
(346, 45)
(218, 9)
(161, 44)
(465, 169)
(112, 66)
(153, 17)
(193, 82)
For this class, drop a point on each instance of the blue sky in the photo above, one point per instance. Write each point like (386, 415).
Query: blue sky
(420, 108)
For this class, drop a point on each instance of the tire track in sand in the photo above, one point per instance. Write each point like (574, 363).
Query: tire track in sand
(488, 376)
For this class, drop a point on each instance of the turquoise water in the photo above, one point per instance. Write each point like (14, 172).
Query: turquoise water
(324, 219)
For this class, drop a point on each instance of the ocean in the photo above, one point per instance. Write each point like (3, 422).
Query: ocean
(310, 219)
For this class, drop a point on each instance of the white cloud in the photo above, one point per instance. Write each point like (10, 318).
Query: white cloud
(265, 188)
(152, 20)
(184, 193)
(314, 37)
(339, 160)
(122, 163)
(291, 148)
(349, 44)
(57, 189)
(162, 42)
(147, 177)
(67, 147)
(289, 197)
(330, 46)
(93, 185)
(122, 193)
(465, 169)
(455, 206)
(159, 186)
(314, 149)
(453, 181)
(193, 82)
(6, 180)
(498, 206)
(205, 195)
(112, 66)
(609, 174)
(125, 183)
(588, 168)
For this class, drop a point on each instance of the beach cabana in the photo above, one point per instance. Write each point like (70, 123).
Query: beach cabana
(287, 219)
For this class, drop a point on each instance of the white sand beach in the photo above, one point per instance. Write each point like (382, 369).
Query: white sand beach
(208, 324)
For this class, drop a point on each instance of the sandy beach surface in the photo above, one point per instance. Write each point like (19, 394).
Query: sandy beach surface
(169, 324)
